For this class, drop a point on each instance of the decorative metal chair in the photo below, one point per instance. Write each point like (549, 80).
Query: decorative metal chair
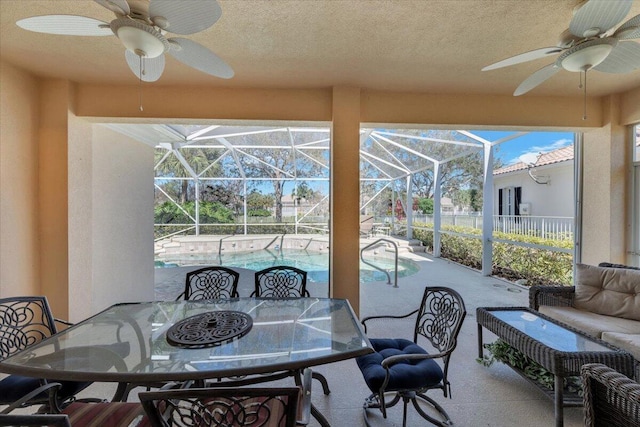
(57, 420)
(25, 321)
(238, 407)
(211, 283)
(610, 398)
(106, 414)
(285, 282)
(281, 282)
(407, 370)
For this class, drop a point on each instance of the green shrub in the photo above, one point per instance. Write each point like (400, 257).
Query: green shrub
(259, 212)
(502, 352)
(510, 261)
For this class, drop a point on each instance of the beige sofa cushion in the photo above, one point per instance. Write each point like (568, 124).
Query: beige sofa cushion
(608, 291)
(591, 323)
(627, 342)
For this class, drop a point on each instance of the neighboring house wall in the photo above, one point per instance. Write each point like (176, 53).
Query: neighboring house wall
(553, 199)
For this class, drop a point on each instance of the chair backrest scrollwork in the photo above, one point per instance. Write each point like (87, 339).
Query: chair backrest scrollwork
(222, 407)
(211, 283)
(440, 318)
(281, 282)
(24, 321)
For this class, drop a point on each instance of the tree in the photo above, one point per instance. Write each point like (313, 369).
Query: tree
(425, 205)
(461, 165)
(303, 192)
(228, 194)
(475, 200)
(198, 160)
(281, 163)
(390, 159)
(258, 204)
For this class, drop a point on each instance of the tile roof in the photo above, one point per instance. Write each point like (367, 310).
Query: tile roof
(556, 156)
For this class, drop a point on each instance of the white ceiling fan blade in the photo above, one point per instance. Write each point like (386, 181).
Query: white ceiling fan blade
(629, 30)
(598, 16)
(524, 57)
(624, 58)
(536, 79)
(199, 57)
(121, 7)
(184, 16)
(152, 68)
(66, 25)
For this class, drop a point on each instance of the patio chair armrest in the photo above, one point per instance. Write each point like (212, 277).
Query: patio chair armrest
(609, 395)
(304, 413)
(368, 318)
(392, 360)
(51, 388)
(562, 296)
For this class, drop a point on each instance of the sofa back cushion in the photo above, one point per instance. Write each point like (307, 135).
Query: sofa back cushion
(608, 291)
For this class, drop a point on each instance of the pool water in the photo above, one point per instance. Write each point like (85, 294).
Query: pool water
(314, 263)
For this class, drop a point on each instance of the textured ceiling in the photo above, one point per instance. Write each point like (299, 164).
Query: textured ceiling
(433, 46)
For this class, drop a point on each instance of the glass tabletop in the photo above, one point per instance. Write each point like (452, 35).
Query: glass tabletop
(548, 333)
(127, 342)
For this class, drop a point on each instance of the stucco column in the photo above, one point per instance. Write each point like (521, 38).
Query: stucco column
(344, 252)
(55, 102)
(605, 191)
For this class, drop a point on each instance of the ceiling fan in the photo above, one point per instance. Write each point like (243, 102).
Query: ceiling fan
(141, 26)
(590, 43)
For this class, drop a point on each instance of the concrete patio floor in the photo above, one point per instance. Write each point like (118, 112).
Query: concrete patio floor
(495, 396)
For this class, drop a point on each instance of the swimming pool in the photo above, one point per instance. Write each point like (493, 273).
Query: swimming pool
(315, 263)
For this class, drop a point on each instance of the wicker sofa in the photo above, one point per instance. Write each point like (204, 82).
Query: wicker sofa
(604, 303)
(610, 398)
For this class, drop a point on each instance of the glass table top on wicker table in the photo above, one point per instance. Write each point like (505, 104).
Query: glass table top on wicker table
(559, 348)
(173, 341)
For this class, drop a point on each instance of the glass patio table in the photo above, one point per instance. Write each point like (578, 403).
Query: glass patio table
(128, 343)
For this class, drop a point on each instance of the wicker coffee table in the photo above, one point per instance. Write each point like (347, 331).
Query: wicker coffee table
(559, 348)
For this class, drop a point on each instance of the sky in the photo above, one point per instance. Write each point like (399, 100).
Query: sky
(534, 142)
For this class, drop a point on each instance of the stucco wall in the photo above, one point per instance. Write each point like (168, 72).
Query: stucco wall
(44, 185)
(19, 253)
(80, 218)
(122, 219)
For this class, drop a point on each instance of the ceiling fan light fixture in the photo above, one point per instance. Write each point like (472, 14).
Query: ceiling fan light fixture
(141, 39)
(586, 55)
(591, 32)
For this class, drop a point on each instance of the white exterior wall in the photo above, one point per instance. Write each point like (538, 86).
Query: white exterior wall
(110, 221)
(553, 199)
(123, 219)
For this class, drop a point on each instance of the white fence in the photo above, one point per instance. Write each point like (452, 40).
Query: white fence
(547, 227)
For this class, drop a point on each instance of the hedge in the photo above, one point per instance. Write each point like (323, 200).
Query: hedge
(513, 262)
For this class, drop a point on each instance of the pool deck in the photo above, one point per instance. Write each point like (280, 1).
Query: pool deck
(495, 396)
(481, 396)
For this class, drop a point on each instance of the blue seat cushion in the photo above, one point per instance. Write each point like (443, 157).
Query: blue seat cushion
(405, 375)
(15, 387)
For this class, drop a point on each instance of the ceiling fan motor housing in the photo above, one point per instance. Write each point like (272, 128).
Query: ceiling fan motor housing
(140, 38)
(587, 55)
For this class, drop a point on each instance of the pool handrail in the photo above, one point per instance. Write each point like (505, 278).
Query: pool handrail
(377, 242)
